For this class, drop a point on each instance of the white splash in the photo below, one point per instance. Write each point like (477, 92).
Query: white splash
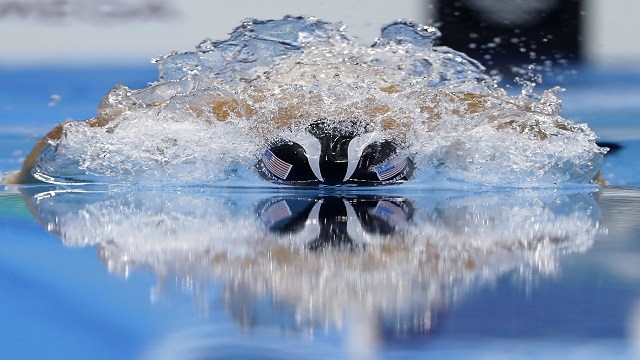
(212, 112)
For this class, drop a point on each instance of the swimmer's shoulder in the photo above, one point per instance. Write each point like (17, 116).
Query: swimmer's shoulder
(25, 174)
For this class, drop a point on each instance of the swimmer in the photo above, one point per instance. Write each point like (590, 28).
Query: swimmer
(330, 156)
(328, 153)
(316, 110)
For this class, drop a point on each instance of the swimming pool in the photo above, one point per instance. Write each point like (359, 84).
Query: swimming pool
(223, 273)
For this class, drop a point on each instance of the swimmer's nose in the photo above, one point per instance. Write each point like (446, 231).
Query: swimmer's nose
(334, 158)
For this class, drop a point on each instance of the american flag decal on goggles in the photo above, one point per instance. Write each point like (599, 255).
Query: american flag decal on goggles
(391, 168)
(276, 166)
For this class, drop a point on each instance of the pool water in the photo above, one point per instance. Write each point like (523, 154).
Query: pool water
(119, 272)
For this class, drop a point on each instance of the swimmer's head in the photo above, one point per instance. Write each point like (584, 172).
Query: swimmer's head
(327, 154)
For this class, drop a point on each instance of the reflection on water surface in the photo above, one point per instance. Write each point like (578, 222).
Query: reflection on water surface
(307, 261)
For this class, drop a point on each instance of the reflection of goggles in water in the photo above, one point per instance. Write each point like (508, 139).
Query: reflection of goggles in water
(331, 156)
(332, 221)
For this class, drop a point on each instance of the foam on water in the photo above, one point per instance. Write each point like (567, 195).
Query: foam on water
(212, 112)
(447, 244)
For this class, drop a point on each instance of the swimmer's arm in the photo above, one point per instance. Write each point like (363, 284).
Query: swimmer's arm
(24, 175)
